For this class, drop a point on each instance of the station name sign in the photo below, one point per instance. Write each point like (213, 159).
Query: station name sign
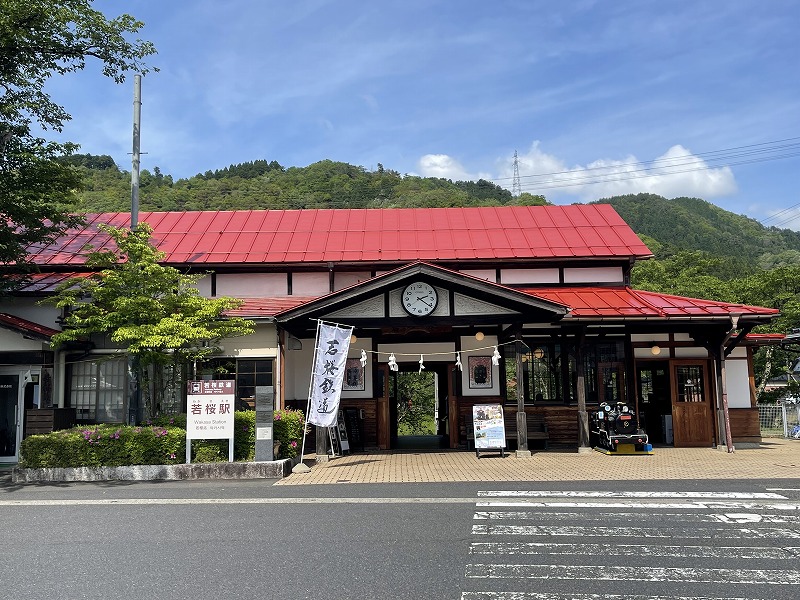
(209, 414)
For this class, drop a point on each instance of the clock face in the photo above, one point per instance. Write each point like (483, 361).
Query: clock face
(419, 299)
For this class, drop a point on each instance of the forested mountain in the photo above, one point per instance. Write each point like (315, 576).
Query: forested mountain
(741, 244)
(261, 184)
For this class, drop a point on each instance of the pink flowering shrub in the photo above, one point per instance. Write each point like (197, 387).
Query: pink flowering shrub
(108, 445)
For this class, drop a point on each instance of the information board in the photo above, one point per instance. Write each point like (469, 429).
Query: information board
(210, 410)
(488, 426)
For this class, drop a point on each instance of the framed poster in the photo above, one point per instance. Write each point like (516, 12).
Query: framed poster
(480, 372)
(353, 376)
(489, 426)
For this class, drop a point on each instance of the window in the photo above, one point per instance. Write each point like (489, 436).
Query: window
(550, 372)
(97, 390)
(690, 383)
(249, 374)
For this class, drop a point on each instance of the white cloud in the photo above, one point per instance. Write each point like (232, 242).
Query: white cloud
(447, 167)
(677, 172)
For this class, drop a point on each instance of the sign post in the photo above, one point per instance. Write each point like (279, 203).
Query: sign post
(265, 431)
(489, 428)
(210, 414)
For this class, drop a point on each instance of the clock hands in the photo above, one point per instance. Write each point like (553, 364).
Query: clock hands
(422, 299)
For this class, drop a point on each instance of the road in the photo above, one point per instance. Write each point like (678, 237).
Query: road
(250, 539)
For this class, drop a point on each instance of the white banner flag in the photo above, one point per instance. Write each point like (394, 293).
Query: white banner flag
(327, 373)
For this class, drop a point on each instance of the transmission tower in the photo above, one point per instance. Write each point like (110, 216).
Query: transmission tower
(516, 188)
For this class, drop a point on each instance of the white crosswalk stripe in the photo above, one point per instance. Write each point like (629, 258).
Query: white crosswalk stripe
(529, 545)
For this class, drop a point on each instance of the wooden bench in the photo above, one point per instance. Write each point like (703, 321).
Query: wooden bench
(536, 425)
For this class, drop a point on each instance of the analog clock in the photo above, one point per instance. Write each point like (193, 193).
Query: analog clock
(419, 299)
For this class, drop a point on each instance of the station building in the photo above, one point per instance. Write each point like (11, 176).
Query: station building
(436, 290)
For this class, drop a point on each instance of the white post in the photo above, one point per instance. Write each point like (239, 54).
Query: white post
(137, 123)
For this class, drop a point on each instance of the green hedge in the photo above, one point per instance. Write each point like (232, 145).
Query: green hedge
(161, 441)
(105, 446)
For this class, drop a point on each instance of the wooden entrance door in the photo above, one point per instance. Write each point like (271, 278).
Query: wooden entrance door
(692, 419)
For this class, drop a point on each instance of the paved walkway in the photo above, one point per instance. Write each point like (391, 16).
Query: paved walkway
(774, 459)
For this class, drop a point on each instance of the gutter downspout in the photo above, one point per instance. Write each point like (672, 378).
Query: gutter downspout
(723, 385)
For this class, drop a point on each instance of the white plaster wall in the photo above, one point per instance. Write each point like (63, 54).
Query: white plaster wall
(343, 280)
(738, 352)
(737, 381)
(691, 353)
(487, 274)
(645, 353)
(593, 275)
(11, 341)
(250, 285)
(204, 286)
(310, 284)
(523, 276)
(298, 370)
(409, 353)
(27, 308)
(262, 343)
(649, 337)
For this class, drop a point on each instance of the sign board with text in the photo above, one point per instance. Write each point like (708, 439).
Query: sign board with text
(209, 414)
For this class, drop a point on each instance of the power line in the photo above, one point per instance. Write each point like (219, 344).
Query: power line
(583, 179)
(711, 155)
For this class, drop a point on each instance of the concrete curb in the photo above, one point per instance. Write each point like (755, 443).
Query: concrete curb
(276, 469)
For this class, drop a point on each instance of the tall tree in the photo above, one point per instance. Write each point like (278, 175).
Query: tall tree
(153, 311)
(40, 39)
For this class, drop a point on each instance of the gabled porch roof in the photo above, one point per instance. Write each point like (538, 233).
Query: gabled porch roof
(515, 302)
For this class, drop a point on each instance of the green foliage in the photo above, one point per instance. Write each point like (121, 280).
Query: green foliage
(416, 403)
(38, 40)
(153, 311)
(288, 428)
(105, 445)
(268, 185)
(737, 245)
(161, 441)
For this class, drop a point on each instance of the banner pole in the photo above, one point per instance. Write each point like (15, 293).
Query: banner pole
(301, 467)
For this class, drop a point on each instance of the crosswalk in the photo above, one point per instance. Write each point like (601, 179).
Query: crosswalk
(557, 545)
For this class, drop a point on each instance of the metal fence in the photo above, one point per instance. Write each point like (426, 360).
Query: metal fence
(779, 420)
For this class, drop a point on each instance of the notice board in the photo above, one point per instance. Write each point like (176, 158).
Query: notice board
(488, 426)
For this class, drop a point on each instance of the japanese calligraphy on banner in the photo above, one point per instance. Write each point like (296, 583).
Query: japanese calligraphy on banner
(327, 374)
(210, 410)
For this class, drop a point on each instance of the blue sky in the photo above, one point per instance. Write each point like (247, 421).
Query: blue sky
(452, 88)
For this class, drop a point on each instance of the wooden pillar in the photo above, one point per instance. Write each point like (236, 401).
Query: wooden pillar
(522, 423)
(583, 416)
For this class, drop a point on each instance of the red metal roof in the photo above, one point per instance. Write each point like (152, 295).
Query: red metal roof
(24, 326)
(590, 302)
(356, 235)
(46, 282)
(252, 308)
(627, 302)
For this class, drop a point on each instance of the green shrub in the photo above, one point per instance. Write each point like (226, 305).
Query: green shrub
(205, 451)
(288, 430)
(104, 445)
(160, 442)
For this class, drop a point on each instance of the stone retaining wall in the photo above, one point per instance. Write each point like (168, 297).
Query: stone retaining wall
(275, 469)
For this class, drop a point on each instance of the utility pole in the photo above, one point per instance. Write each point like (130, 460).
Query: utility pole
(516, 188)
(137, 122)
(134, 394)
